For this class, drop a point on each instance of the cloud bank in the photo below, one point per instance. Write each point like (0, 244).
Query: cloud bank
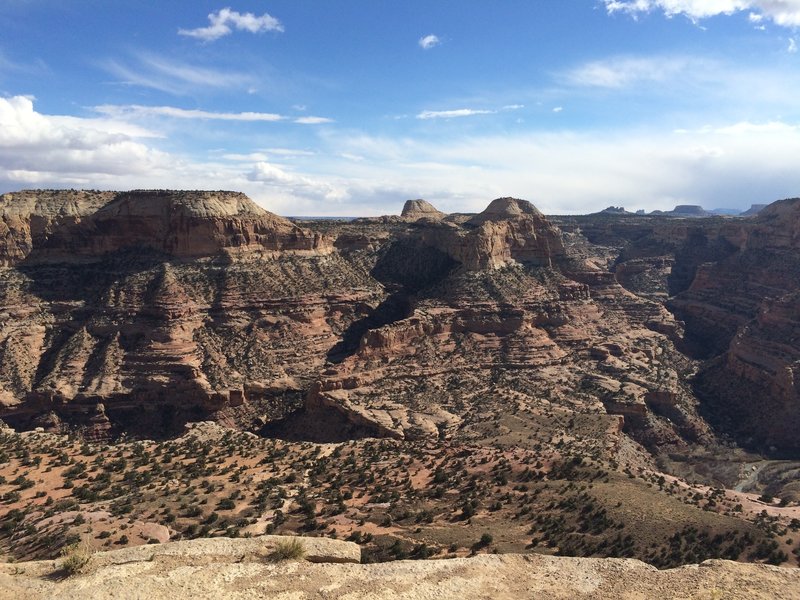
(782, 12)
(722, 165)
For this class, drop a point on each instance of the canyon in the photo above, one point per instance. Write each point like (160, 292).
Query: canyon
(491, 363)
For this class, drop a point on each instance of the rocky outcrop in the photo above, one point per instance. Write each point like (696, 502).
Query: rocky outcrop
(147, 309)
(684, 210)
(733, 286)
(176, 307)
(508, 232)
(753, 210)
(28, 218)
(222, 568)
(414, 210)
(55, 226)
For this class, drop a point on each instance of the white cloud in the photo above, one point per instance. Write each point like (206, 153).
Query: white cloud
(263, 154)
(249, 158)
(269, 173)
(312, 120)
(429, 41)
(69, 148)
(732, 164)
(449, 114)
(558, 109)
(618, 72)
(276, 177)
(792, 48)
(136, 110)
(290, 152)
(158, 73)
(225, 20)
(781, 12)
(746, 127)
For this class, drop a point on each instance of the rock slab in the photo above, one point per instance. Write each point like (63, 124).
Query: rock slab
(227, 568)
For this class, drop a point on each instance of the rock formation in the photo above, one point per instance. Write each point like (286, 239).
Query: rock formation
(508, 232)
(139, 289)
(753, 210)
(241, 569)
(543, 362)
(732, 283)
(684, 210)
(414, 210)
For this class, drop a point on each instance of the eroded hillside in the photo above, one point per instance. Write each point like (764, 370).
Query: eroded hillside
(540, 378)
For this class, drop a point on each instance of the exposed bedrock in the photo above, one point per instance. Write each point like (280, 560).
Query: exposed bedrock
(67, 225)
(733, 285)
(143, 310)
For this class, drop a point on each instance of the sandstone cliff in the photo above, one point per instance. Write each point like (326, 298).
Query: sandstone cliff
(732, 285)
(184, 224)
(509, 231)
(143, 311)
(114, 302)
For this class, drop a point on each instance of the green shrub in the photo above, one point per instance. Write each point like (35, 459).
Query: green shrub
(291, 549)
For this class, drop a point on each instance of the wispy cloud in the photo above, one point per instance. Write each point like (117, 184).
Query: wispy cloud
(312, 120)
(792, 48)
(618, 72)
(429, 41)
(745, 128)
(225, 20)
(732, 164)
(782, 12)
(13, 66)
(450, 114)
(136, 110)
(173, 77)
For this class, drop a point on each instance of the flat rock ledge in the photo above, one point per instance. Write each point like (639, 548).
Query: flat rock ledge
(240, 569)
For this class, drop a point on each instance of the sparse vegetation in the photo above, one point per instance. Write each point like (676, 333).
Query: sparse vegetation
(75, 558)
(292, 549)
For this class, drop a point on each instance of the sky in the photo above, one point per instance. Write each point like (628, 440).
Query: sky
(350, 107)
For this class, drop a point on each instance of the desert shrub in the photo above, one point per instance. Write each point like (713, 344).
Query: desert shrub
(75, 558)
(291, 549)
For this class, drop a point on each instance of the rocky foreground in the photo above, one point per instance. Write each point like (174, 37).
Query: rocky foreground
(226, 568)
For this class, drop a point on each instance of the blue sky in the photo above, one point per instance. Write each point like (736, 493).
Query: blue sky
(350, 107)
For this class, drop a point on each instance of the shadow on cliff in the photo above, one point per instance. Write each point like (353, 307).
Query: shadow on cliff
(88, 282)
(404, 268)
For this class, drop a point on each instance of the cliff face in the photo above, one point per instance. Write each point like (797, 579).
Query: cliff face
(152, 307)
(142, 310)
(733, 285)
(747, 307)
(509, 231)
(520, 320)
(183, 224)
(414, 210)
(28, 218)
(148, 309)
